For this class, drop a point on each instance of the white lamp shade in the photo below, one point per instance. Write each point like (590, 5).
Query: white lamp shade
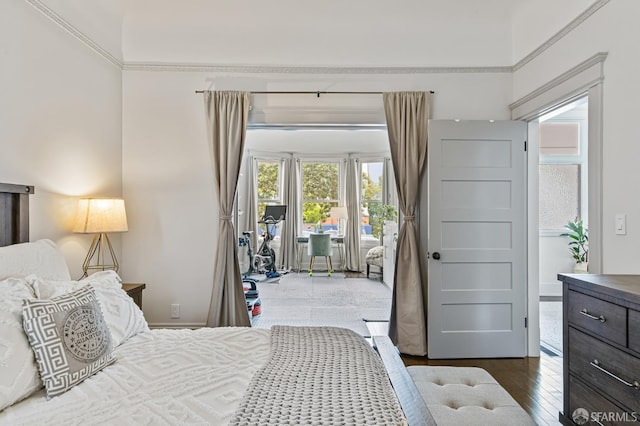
(97, 215)
(338, 213)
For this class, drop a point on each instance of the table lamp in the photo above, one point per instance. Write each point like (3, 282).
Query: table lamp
(339, 213)
(100, 216)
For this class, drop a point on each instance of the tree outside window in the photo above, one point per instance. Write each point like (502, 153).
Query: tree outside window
(269, 192)
(372, 219)
(320, 192)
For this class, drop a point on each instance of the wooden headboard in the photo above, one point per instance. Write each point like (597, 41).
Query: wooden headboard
(14, 213)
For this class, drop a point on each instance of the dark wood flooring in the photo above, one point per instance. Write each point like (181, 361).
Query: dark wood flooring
(536, 383)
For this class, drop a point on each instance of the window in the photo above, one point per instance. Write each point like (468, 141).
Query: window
(563, 169)
(320, 192)
(269, 189)
(371, 199)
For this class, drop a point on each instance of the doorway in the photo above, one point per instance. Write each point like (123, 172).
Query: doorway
(563, 188)
(319, 157)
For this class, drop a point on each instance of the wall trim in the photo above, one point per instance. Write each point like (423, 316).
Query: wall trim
(583, 67)
(560, 34)
(177, 325)
(65, 25)
(287, 69)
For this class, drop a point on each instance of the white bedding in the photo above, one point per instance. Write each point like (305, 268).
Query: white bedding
(162, 377)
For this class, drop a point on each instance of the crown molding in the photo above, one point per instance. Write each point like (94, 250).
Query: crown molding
(65, 25)
(286, 69)
(598, 58)
(560, 34)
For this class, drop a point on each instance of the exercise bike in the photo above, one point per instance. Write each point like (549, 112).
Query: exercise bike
(249, 285)
(262, 262)
(265, 258)
(245, 241)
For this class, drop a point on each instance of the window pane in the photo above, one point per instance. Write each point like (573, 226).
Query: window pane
(559, 138)
(371, 224)
(268, 181)
(372, 181)
(559, 194)
(314, 214)
(320, 181)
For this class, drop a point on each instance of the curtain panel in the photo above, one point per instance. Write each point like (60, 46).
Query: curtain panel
(249, 218)
(352, 232)
(290, 227)
(407, 115)
(226, 117)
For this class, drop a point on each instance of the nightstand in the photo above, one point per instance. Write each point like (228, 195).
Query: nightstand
(135, 291)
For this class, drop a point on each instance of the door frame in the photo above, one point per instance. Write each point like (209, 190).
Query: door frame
(586, 78)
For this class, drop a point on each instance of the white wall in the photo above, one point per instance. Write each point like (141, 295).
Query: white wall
(327, 33)
(167, 179)
(535, 22)
(60, 124)
(614, 29)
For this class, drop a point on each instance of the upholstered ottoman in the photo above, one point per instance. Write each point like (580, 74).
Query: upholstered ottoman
(467, 396)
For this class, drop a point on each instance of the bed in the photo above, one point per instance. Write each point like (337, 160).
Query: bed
(90, 346)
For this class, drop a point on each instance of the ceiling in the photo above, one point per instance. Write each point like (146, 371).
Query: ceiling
(353, 33)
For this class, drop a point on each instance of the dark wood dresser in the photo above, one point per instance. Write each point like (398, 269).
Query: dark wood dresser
(601, 338)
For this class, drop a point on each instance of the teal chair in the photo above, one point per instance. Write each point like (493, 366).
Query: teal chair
(320, 245)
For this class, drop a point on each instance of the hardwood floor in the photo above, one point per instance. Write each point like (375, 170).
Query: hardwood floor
(536, 383)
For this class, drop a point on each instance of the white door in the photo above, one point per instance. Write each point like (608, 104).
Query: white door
(477, 228)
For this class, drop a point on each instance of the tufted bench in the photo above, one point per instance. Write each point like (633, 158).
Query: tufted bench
(466, 396)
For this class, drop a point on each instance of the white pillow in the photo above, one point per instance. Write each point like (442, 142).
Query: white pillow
(19, 376)
(123, 317)
(41, 258)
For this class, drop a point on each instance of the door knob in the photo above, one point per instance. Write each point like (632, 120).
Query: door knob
(436, 255)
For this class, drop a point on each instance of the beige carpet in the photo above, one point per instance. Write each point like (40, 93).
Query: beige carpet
(298, 299)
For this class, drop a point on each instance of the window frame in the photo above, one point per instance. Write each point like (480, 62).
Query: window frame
(383, 195)
(279, 191)
(580, 160)
(340, 190)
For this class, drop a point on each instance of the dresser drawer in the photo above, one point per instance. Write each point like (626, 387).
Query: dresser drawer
(585, 350)
(634, 330)
(581, 396)
(599, 317)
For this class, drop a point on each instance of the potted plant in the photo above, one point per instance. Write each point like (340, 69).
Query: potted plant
(578, 244)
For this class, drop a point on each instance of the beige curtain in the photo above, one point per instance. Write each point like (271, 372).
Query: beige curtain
(352, 232)
(249, 218)
(290, 227)
(407, 116)
(226, 115)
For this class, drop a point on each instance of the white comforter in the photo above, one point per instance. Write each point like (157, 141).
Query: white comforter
(163, 377)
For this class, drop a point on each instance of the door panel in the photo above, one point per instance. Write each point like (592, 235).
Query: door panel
(477, 288)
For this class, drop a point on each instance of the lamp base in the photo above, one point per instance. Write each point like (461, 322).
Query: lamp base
(95, 260)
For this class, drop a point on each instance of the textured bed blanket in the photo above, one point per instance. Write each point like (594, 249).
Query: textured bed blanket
(160, 378)
(319, 375)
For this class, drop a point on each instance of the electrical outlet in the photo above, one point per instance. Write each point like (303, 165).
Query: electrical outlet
(175, 310)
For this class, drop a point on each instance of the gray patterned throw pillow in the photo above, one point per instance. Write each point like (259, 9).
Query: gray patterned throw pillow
(69, 337)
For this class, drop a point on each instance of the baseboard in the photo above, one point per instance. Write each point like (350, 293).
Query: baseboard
(551, 288)
(191, 325)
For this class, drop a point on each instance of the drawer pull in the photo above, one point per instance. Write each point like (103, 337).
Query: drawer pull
(634, 385)
(586, 313)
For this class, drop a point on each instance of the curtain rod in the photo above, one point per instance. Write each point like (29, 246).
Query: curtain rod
(317, 92)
